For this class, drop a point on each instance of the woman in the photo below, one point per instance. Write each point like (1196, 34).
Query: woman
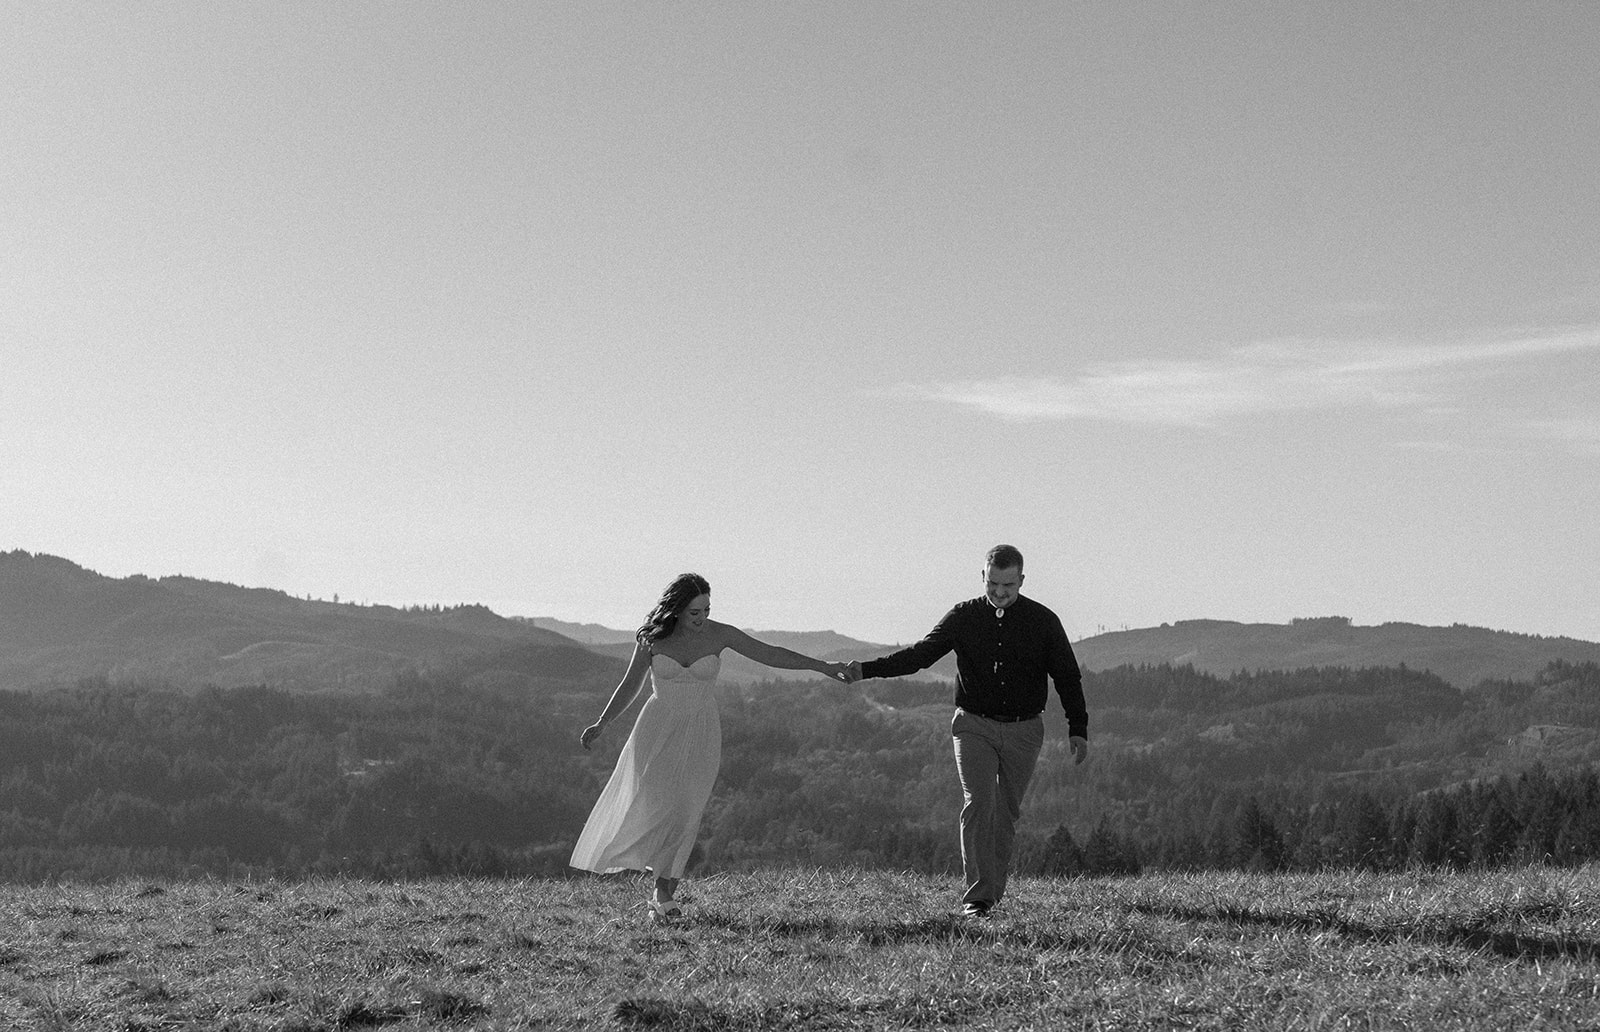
(649, 812)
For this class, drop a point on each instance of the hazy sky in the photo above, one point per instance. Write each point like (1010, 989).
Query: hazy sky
(1231, 311)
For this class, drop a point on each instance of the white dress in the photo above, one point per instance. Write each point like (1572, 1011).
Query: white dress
(649, 812)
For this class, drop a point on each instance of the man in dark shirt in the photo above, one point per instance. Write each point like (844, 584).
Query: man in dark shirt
(1005, 645)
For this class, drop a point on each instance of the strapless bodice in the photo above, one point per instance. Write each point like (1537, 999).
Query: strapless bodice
(665, 668)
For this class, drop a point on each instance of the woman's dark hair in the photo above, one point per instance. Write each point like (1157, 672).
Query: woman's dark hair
(685, 588)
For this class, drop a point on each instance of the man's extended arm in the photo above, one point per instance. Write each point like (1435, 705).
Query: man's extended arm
(920, 656)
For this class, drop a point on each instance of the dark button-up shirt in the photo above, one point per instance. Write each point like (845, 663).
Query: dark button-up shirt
(1002, 659)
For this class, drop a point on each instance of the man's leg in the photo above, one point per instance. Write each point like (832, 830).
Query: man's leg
(978, 766)
(1020, 745)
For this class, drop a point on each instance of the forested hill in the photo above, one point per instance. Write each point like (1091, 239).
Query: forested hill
(1461, 655)
(462, 752)
(61, 623)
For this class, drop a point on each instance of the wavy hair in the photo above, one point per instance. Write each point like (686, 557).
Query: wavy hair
(663, 619)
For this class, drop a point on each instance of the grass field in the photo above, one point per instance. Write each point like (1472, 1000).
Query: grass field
(802, 950)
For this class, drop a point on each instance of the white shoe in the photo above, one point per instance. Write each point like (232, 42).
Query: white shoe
(663, 911)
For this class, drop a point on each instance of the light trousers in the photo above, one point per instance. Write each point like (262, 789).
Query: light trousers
(995, 762)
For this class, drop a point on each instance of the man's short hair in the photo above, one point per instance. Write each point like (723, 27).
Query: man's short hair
(1004, 557)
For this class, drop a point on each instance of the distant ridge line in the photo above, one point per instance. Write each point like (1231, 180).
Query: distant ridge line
(60, 622)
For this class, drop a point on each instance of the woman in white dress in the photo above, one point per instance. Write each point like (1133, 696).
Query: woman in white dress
(649, 812)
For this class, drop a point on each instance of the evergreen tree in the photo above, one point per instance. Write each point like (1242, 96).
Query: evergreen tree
(1436, 841)
(1062, 857)
(1495, 829)
(1258, 845)
(1361, 834)
(1579, 839)
(1107, 853)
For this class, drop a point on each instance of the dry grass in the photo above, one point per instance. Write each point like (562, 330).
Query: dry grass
(804, 950)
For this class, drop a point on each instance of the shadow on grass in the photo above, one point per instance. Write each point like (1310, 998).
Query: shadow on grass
(942, 928)
(432, 1006)
(696, 1015)
(1526, 949)
(1032, 938)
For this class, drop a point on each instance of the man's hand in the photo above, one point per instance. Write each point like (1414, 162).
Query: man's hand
(855, 671)
(1080, 749)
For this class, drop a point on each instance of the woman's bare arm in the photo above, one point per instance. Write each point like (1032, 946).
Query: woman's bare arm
(623, 697)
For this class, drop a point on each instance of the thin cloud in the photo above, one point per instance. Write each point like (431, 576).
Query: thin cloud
(1261, 378)
(1578, 434)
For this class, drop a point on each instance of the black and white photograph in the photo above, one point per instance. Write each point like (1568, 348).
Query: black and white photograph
(1146, 456)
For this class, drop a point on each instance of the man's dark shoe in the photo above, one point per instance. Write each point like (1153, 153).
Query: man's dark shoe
(977, 908)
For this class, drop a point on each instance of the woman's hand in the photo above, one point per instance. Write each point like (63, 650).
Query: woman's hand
(592, 732)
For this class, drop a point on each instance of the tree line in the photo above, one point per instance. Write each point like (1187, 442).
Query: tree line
(1536, 817)
(480, 773)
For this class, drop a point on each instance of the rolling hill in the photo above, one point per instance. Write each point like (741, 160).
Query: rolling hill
(1462, 655)
(478, 740)
(61, 623)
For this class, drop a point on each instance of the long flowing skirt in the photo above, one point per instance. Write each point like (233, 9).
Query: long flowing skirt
(649, 813)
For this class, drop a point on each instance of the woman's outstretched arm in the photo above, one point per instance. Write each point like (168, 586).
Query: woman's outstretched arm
(777, 656)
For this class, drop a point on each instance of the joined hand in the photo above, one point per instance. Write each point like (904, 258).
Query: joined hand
(849, 673)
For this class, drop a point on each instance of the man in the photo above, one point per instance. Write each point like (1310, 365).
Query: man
(1005, 645)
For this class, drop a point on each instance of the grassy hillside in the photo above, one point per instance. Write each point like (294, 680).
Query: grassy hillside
(809, 950)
